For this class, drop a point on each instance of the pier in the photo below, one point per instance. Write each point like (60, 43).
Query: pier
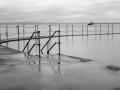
(72, 29)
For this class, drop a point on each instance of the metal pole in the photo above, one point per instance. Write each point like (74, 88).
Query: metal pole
(0, 33)
(49, 30)
(7, 31)
(23, 31)
(35, 34)
(100, 29)
(112, 28)
(95, 29)
(108, 29)
(72, 30)
(82, 30)
(0, 36)
(66, 30)
(18, 32)
(87, 30)
(39, 45)
(49, 37)
(27, 48)
(59, 39)
(37, 28)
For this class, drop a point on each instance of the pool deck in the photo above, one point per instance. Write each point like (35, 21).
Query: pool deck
(19, 72)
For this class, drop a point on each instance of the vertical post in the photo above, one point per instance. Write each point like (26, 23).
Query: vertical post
(72, 30)
(37, 27)
(35, 34)
(100, 29)
(49, 30)
(82, 30)
(0, 36)
(7, 31)
(108, 29)
(59, 39)
(18, 32)
(39, 45)
(49, 37)
(0, 32)
(112, 28)
(95, 29)
(66, 30)
(87, 30)
(23, 31)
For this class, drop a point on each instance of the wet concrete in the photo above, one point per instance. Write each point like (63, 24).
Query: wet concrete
(18, 72)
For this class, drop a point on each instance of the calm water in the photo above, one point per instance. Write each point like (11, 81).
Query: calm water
(104, 48)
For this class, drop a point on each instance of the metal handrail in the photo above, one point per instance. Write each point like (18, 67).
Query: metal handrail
(32, 47)
(48, 41)
(52, 47)
(30, 39)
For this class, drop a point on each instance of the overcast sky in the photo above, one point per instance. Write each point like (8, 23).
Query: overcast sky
(59, 10)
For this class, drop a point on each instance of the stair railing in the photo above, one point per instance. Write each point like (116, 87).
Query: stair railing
(48, 42)
(30, 39)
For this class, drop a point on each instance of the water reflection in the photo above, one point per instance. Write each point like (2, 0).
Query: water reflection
(72, 41)
(18, 45)
(7, 44)
(55, 65)
(98, 47)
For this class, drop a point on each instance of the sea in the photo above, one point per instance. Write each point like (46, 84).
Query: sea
(80, 40)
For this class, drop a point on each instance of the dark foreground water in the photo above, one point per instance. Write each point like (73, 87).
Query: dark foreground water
(104, 48)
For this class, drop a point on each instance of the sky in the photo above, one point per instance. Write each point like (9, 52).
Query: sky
(59, 10)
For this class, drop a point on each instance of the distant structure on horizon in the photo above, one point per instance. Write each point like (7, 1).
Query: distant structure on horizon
(91, 23)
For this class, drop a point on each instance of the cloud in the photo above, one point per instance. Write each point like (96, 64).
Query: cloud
(58, 10)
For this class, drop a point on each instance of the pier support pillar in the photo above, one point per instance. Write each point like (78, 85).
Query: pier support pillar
(23, 31)
(100, 29)
(112, 28)
(7, 31)
(18, 31)
(87, 30)
(82, 30)
(66, 30)
(95, 29)
(72, 30)
(0, 33)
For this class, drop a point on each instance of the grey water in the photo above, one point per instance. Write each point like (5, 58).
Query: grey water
(103, 48)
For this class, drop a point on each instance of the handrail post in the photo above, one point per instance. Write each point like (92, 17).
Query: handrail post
(39, 43)
(59, 39)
